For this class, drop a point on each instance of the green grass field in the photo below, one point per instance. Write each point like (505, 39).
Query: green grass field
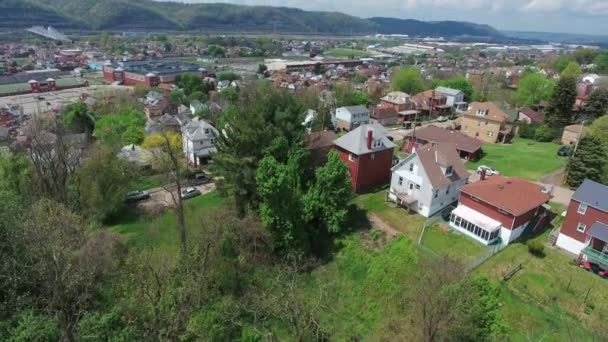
(366, 278)
(451, 243)
(523, 158)
(344, 52)
(161, 231)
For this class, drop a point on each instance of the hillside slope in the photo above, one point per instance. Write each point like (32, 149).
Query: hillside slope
(153, 15)
(433, 28)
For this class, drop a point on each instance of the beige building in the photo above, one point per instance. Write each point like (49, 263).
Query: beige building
(571, 134)
(486, 122)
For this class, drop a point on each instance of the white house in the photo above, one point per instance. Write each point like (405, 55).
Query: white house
(429, 179)
(349, 118)
(199, 139)
(454, 98)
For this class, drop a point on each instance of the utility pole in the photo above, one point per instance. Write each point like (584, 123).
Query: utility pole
(578, 139)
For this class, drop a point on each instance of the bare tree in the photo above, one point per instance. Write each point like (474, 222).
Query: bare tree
(54, 154)
(166, 149)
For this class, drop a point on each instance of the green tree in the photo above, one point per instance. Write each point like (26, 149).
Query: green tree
(191, 83)
(78, 119)
(197, 96)
(561, 103)
(121, 129)
(601, 63)
(407, 80)
(572, 70)
(262, 68)
(33, 327)
(280, 190)
(584, 56)
(228, 76)
(360, 98)
(599, 129)
(326, 202)
(460, 83)
(176, 98)
(532, 89)
(588, 161)
(598, 103)
(260, 114)
(102, 184)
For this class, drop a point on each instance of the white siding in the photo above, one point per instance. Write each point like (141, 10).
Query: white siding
(569, 244)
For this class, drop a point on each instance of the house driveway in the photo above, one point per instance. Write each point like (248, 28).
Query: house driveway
(161, 199)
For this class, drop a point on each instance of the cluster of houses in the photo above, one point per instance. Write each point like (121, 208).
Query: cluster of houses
(433, 180)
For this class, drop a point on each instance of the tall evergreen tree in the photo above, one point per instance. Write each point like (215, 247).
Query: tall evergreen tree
(559, 113)
(598, 103)
(589, 161)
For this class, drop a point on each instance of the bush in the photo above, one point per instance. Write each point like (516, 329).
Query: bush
(527, 131)
(545, 133)
(536, 248)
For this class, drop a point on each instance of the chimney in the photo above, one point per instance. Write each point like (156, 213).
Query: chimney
(483, 175)
(370, 138)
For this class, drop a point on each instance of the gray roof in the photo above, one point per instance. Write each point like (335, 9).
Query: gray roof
(355, 141)
(360, 109)
(599, 230)
(593, 194)
(448, 91)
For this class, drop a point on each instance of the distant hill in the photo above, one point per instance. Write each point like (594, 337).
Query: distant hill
(433, 28)
(152, 15)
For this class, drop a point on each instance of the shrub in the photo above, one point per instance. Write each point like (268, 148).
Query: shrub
(545, 133)
(536, 248)
(527, 131)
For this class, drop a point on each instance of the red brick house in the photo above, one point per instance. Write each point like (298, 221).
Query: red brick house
(585, 229)
(498, 209)
(368, 154)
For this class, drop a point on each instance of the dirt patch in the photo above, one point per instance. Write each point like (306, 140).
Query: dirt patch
(162, 199)
(377, 222)
(556, 178)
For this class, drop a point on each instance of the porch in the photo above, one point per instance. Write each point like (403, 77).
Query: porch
(596, 250)
(476, 225)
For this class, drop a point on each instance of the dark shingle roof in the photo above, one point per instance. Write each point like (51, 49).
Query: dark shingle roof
(439, 135)
(434, 156)
(593, 194)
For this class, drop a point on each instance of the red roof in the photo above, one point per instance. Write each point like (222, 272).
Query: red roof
(535, 117)
(513, 195)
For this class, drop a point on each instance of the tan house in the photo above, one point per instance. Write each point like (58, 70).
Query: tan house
(571, 134)
(486, 122)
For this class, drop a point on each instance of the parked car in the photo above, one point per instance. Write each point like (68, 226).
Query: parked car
(189, 192)
(200, 179)
(447, 212)
(489, 171)
(442, 119)
(563, 151)
(137, 195)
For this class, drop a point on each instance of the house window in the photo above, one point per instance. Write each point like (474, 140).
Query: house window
(447, 190)
(351, 157)
(449, 170)
(476, 134)
(411, 167)
(212, 141)
(478, 123)
(490, 133)
(417, 187)
(582, 208)
(411, 186)
(436, 194)
(206, 130)
(581, 227)
(400, 180)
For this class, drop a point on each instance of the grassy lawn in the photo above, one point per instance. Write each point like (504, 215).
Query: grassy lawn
(161, 231)
(408, 224)
(523, 158)
(398, 152)
(344, 52)
(444, 241)
(149, 182)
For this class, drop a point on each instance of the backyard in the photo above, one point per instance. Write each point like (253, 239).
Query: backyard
(523, 158)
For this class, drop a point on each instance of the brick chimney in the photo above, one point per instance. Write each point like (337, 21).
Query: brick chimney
(370, 138)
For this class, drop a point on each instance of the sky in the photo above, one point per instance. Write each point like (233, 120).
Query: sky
(566, 16)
